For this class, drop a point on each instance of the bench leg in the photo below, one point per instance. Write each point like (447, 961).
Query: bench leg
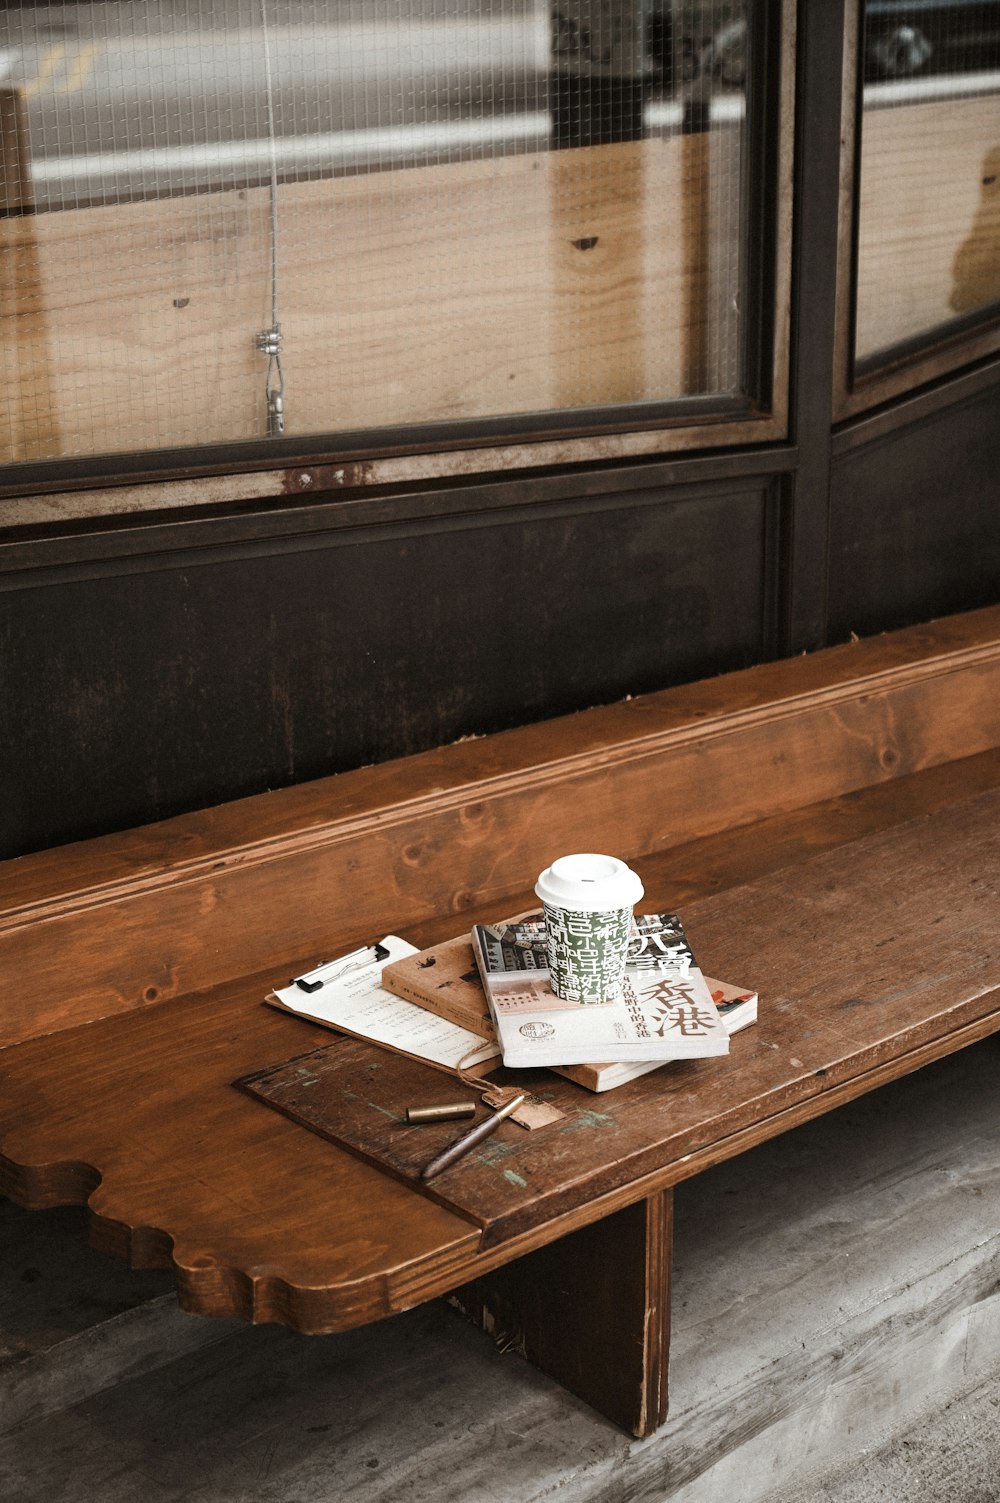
(593, 1311)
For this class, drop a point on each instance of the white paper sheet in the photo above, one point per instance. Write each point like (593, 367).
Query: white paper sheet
(351, 999)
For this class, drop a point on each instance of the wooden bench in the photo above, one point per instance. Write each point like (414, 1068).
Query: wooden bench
(828, 828)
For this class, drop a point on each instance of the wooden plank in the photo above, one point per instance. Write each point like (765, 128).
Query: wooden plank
(871, 957)
(28, 423)
(929, 201)
(444, 293)
(429, 1281)
(861, 955)
(592, 1310)
(130, 920)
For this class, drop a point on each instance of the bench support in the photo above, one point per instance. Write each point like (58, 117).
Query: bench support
(593, 1311)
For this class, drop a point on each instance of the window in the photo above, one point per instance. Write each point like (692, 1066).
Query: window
(347, 225)
(927, 257)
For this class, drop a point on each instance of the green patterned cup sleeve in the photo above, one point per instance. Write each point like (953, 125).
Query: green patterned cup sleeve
(586, 952)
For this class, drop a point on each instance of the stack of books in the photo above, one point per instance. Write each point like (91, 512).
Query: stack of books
(495, 985)
(474, 1000)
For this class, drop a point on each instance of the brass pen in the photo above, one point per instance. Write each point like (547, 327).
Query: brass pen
(469, 1140)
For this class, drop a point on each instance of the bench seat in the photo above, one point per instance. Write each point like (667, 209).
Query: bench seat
(867, 920)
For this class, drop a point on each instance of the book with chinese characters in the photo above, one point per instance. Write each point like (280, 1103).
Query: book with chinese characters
(736, 1006)
(665, 1010)
(445, 980)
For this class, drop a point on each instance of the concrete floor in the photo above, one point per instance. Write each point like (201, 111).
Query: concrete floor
(953, 1456)
(836, 1339)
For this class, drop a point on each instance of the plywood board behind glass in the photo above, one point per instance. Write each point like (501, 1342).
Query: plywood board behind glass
(233, 220)
(929, 190)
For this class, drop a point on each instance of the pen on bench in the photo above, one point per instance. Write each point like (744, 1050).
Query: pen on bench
(469, 1140)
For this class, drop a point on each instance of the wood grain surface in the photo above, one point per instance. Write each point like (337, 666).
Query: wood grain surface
(257, 1217)
(592, 1310)
(860, 955)
(131, 920)
(929, 202)
(871, 956)
(519, 284)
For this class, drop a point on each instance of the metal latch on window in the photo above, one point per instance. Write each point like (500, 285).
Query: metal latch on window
(268, 342)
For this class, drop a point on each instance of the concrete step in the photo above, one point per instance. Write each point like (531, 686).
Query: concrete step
(951, 1456)
(74, 1321)
(832, 1288)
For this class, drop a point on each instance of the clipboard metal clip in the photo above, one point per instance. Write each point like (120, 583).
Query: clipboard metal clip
(332, 970)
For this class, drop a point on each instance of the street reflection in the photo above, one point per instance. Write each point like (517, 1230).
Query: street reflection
(911, 39)
(976, 272)
(133, 101)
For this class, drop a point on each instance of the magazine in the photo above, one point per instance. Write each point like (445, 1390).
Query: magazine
(736, 1006)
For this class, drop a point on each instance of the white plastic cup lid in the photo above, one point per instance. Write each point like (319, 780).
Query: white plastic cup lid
(585, 882)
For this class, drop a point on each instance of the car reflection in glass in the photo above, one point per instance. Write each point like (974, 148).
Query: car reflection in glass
(910, 38)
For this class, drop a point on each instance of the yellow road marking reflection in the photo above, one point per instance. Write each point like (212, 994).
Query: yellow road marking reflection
(80, 71)
(50, 62)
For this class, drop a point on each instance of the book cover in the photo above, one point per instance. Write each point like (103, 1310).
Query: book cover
(665, 1011)
(445, 980)
(736, 1006)
(445, 977)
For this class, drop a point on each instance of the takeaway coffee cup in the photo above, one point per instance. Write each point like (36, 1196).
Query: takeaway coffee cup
(588, 901)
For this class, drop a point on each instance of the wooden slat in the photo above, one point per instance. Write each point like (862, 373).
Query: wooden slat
(126, 921)
(28, 423)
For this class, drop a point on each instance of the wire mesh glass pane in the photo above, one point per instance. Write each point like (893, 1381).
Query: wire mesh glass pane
(232, 220)
(929, 201)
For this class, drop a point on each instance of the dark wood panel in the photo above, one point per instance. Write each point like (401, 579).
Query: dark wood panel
(141, 694)
(915, 521)
(592, 1310)
(813, 308)
(131, 919)
(152, 523)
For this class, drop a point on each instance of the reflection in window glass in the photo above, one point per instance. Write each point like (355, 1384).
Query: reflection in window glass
(236, 219)
(929, 201)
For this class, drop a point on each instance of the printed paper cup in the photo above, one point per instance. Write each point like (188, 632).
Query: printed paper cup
(588, 902)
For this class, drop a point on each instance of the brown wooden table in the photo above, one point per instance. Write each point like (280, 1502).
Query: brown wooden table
(867, 921)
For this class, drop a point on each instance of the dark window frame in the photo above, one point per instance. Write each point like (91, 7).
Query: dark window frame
(261, 470)
(861, 385)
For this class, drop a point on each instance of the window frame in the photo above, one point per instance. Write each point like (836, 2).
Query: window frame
(269, 469)
(860, 385)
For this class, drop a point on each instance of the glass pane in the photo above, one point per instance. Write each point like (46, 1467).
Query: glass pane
(227, 220)
(929, 204)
